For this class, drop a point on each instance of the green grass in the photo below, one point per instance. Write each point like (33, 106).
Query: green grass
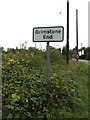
(78, 72)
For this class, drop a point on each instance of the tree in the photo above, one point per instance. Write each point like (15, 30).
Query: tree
(71, 52)
(87, 53)
(1, 48)
(64, 50)
(59, 49)
(10, 50)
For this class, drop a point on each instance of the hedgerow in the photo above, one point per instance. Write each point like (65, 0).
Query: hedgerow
(26, 93)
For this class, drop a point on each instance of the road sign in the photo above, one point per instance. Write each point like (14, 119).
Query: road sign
(48, 34)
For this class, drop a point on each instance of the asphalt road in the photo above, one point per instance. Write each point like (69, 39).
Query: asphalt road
(86, 61)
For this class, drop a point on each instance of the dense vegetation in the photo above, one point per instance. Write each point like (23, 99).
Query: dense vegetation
(87, 53)
(72, 53)
(26, 93)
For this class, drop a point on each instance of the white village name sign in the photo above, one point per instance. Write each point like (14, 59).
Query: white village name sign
(48, 34)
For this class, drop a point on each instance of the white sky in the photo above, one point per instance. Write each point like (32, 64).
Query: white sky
(18, 17)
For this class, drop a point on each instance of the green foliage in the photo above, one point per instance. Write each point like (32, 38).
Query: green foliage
(87, 53)
(64, 50)
(71, 53)
(25, 91)
(82, 57)
(10, 50)
(83, 69)
(1, 49)
(56, 57)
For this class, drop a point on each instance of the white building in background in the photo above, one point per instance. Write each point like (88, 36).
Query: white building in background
(81, 53)
(89, 24)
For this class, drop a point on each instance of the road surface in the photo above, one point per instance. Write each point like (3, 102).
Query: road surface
(86, 61)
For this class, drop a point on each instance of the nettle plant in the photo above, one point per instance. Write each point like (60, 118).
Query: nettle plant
(25, 91)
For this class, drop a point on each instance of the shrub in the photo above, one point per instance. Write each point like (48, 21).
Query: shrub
(55, 56)
(25, 92)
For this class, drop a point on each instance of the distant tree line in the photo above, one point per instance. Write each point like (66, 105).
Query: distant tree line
(72, 53)
(87, 53)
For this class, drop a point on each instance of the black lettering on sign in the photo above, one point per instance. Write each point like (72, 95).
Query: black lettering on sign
(47, 37)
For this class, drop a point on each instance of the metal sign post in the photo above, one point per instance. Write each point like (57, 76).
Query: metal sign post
(48, 34)
(67, 45)
(47, 63)
(77, 55)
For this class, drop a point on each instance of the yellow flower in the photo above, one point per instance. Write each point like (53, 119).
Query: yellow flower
(27, 100)
(56, 96)
(11, 60)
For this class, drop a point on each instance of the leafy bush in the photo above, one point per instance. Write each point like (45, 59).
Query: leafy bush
(87, 53)
(82, 57)
(55, 56)
(25, 91)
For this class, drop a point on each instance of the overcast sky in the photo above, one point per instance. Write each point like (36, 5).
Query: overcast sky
(19, 17)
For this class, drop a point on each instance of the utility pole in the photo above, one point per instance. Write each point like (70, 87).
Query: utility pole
(67, 45)
(89, 24)
(77, 55)
(81, 48)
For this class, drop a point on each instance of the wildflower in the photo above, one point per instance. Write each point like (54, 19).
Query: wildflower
(11, 60)
(27, 100)
(56, 96)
